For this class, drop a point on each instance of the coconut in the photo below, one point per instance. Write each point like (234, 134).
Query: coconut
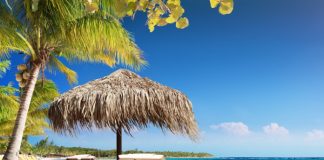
(22, 67)
(26, 75)
(22, 84)
(18, 77)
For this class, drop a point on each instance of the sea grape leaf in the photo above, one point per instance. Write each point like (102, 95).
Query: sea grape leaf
(214, 3)
(182, 23)
(226, 7)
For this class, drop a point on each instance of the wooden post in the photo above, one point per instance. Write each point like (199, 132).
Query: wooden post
(119, 142)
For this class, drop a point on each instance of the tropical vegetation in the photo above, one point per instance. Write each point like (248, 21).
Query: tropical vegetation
(45, 91)
(46, 30)
(46, 147)
(7, 97)
(4, 65)
(86, 30)
(36, 123)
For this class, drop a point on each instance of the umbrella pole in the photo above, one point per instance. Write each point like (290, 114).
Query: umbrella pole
(119, 142)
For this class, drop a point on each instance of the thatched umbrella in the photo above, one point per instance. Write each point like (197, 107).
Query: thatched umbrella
(123, 101)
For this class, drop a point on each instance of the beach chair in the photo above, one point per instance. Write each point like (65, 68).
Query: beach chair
(81, 157)
(141, 157)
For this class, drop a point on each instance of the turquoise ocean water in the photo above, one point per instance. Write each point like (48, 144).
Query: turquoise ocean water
(252, 158)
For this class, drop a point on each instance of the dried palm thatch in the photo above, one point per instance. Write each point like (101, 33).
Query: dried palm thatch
(123, 100)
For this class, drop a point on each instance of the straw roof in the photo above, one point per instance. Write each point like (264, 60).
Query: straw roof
(123, 99)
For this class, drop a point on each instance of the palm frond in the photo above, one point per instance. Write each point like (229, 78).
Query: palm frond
(45, 92)
(11, 40)
(113, 8)
(34, 126)
(55, 63)
(7, 18)
(35, 130)
(39, 113)
(32, 12)
(7, 90)
(8, 105)
(19, 10)
(4, 65)
(4, 140)
(8, 102)
(95, 36)
(36, 121)
(6, 127)
(66, 10)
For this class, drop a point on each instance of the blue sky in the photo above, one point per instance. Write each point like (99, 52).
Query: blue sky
(255, 78)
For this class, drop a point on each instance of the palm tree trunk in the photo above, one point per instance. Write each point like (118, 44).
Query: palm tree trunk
(12, 151)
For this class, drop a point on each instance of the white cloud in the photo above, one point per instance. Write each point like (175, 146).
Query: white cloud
(234, 128)
(275, 129)
(315, 134)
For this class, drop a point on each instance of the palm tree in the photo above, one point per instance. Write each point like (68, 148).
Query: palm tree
(44, 30)
(9, 103)
(44, 93)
